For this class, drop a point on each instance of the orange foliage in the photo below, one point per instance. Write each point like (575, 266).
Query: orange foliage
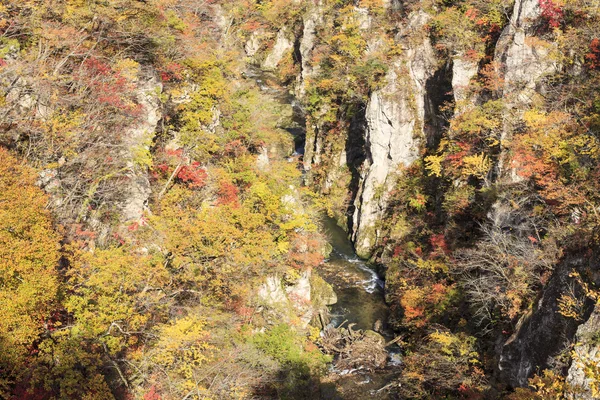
(228, 194)
(306, 252)
(551, 153)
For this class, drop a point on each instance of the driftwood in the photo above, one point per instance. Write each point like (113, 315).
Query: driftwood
(354, 349)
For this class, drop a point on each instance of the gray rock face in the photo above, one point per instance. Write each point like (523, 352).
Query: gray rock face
(303, 299)
(137, 143)
(253, 44)
(300, 292)
(48, 180)
(586, 355)
(543, 333)
(307, 44)
(282, 45)
(395, 122)
(522, 60)
(392, 4)
(363, 18)
(463, 70)
(263, 163)
(272, 292)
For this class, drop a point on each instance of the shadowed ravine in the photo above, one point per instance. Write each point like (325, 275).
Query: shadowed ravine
(360, 301)
(358, 287)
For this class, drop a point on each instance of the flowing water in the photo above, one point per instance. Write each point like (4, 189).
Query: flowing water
(359, 289)
(360, 301)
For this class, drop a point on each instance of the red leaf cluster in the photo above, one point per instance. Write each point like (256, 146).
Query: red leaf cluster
(235, 148)
(84, 234)
(110, 88)
(152, 394)
(438, 242)
(593, 57)
(228, 194)
(194, 175)
(552, 13)
(172, 72)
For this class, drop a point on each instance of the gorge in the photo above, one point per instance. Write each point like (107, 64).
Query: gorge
(299, 199)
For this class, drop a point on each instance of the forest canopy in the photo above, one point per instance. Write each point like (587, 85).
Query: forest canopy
(166, 167)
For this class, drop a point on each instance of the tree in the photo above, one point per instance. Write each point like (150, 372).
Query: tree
(558, 155)
(29, 255)
(445, 364)
(116, 295)
(501, 273)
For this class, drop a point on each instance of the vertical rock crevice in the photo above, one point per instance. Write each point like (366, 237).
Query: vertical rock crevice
(356, 154)
(544, 333)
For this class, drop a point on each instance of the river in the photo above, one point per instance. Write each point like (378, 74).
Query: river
(361, 301)
(359, 289)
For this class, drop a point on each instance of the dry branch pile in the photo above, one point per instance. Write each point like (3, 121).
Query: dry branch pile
(354, 349)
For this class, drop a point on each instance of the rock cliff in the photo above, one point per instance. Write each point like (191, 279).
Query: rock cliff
(395, 131)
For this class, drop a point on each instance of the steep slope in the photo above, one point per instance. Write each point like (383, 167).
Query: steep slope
(441, 157)
(189, 149)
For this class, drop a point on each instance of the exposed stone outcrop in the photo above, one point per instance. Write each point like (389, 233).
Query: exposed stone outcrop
(463, 70)
(280, 48)
(522, 57)
(522, 60)
(137, 143)
(301, 299)
(395, 128)
(583, 378)
(393, 5)
(253, 44)
(307, 44)
(272, 292)
(263, 162)
(363, 18)
(544, 332)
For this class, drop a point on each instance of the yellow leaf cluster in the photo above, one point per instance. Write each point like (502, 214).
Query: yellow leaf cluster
(29, 253)
(477, 165)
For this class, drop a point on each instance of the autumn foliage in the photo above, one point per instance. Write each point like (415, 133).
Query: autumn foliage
(29, 254)
(593, 57)
(552, 12)
(193, 175)
(113, 105)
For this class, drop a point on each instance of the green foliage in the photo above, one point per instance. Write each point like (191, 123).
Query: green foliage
(301, 364)
(283, 343)
(8, 45)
